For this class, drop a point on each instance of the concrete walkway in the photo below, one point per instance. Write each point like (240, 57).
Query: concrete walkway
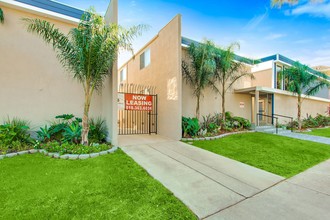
(206, 182)
(304, 196)
(307, 137)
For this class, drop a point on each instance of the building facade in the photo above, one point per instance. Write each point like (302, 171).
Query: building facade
(158, 64)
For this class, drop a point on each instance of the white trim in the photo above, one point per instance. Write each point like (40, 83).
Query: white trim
(39, 11)
(278, 91)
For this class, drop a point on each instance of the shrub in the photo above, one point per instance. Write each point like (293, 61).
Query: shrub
(240, 122)
(67, 148)
(310, 122)
(210, 123)
(15, 136)
(97, 130)
(190, 126)
(67, 128)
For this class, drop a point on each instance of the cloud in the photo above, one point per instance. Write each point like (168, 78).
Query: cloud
(132, 3)
(275, 36)
(303, 41)
(255, 21)
(320, 9)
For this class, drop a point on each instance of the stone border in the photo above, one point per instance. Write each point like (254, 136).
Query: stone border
(57, 155)
(215, 137)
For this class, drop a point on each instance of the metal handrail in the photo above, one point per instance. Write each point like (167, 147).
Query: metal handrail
(269, 116)
(284, 116)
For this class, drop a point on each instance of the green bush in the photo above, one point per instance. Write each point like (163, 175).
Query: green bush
(240, 122)
(97, 130)
(210, 123)
(311, 122)
(67, 148)
(190, 126)
(67, 128)
(15, 136)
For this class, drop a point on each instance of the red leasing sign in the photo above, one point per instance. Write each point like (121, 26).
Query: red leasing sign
(137, 102)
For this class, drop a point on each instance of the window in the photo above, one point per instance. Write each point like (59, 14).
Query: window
(145, 59)
(123, 74)
(279, 77)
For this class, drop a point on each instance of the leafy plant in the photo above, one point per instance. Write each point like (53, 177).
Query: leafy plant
(44, 134)
(15, 136)
(190, 126)
(98, 130)
(72, 133)
(210, 123)
(68, 148)
(2, 17)
(15, 130)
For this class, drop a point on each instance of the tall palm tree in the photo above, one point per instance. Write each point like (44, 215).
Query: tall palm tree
(2, 17)
(199, 71)
(228, 71)
(302, 82)
(88, 52)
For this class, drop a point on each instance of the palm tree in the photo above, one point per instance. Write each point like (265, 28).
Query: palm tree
(88, 52)
(228, 71)
(302, 82)
(279, 3)
(2, 17)
(199, 71)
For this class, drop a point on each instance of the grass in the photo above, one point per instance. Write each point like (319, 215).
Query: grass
(107, 187)
(324, 132)
(277, 154)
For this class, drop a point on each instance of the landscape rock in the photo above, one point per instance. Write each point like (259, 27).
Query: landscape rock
(23, 152)
(83, 156)
(94, 155)
(65, 156)
(33, 151)
(73, 156)
(103, 152)
(11, 155)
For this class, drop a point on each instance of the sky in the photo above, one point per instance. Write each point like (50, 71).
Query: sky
(300, 32)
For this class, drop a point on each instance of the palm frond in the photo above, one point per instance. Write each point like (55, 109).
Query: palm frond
(2, 16)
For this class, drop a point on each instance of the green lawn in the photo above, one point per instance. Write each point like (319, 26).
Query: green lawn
(277, 154)
(324, 132)
(107, 187)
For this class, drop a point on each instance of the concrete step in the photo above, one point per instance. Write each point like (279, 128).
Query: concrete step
(271, 130)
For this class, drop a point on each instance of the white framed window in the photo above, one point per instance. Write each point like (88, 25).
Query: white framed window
(145, 59)
(123, 74)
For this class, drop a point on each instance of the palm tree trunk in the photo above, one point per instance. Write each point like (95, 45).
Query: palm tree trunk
(85, 125)
(197, 107)
(223, 104)
(299, 112)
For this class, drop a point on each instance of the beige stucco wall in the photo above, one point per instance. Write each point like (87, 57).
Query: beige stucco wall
(287, 105)
(163, 72)
(263, 78)
(34, 86)
(110, 92)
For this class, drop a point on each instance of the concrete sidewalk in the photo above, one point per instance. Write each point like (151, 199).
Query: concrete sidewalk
(304, 196)
(307, 137)
(206, 182)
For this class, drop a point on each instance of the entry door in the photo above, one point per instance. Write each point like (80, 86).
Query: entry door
(261, 110)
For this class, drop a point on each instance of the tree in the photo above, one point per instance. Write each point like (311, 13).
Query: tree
(199, 72)
(2, 17)
(279, 3)
(228, 71)
(301, 81)
(87, 52)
